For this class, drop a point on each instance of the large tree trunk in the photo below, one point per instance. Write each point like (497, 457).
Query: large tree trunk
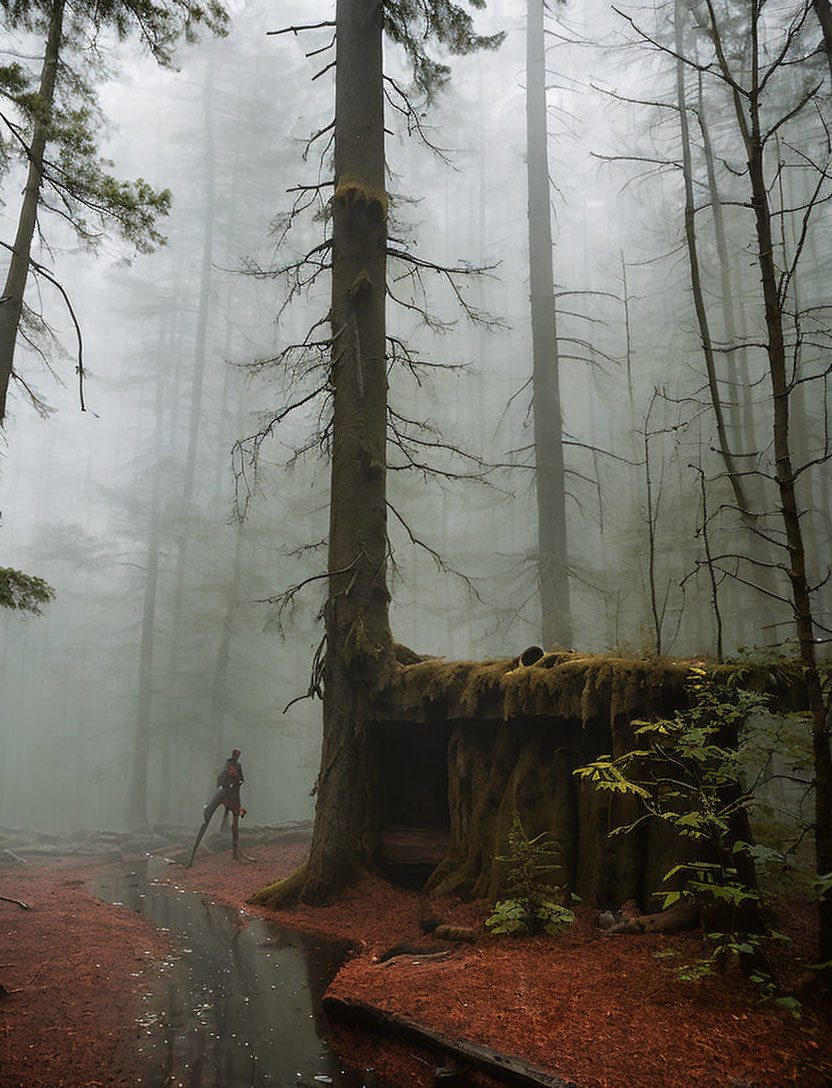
(347, 830)
(546, 406)
(12, 306)
(750, 126)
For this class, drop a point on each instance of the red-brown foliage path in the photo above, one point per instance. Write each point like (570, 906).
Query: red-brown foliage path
(606, 1012)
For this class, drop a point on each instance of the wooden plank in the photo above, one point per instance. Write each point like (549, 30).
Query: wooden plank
(414, 845)
(503, 1067)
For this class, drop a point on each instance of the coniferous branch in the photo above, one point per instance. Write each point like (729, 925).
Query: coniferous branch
(412, 23)
(23, 592)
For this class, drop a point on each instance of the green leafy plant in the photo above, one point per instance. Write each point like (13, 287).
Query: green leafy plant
(532, 902)
(688, 772)
(699, 773)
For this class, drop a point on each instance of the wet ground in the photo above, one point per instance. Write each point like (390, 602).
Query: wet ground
(239, 1005)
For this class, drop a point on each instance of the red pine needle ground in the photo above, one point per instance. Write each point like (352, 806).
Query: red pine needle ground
(605, 1012)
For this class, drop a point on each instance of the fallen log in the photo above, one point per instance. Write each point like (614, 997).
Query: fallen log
(681, 916)
(504, 1067)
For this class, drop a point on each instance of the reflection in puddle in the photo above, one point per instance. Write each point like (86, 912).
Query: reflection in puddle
(239, 1003)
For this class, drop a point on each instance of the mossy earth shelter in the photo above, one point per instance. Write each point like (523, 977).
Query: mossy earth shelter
(458, 746)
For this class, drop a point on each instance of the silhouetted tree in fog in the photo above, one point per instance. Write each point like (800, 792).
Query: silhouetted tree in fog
(768, 79)
(553, 573)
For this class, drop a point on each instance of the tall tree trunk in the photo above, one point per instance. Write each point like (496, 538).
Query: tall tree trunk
(628, 339)
(546, 405)
(11, 307)
(751, 129)
(220, 673)
(695, 273)
(760, 615)
(358, 641)
(195, 411)
(740, 411)
(139, 763)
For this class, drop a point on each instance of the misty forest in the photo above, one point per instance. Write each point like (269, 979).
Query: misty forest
(347, 354)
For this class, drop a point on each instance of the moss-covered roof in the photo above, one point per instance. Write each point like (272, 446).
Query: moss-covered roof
(566, 685)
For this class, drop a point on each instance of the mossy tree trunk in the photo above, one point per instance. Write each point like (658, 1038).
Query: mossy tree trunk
(347, 829)
(527, 767)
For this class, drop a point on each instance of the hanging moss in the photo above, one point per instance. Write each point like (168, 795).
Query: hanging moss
(360, 652)
(569, 686)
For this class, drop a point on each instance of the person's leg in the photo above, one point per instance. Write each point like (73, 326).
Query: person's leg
(235, 833)
(207, 813)
(211, 807)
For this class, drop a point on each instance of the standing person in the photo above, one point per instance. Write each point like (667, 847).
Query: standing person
(229, 781)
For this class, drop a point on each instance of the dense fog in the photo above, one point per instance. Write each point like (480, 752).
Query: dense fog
(164, 541)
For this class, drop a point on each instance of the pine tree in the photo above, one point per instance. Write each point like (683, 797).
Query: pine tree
(54, 123)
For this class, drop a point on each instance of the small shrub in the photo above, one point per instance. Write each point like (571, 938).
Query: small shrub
(531, 904)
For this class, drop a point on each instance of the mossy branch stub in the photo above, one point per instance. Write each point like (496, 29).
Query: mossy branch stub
(353, 192)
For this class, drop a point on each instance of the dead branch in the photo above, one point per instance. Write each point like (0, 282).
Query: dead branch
(284, 600)
(317, 678)
(722, 74)
(403, 354)
(441, 563)
(245, 451)
(323, 71)
(39, 270)
(323, 48)
(17, 902)
(298, 29)
(413, 117)
(316, 135)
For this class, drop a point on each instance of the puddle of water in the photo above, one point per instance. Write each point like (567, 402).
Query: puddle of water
(239, 1006)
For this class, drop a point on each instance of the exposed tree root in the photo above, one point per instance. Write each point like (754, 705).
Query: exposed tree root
(283, 892)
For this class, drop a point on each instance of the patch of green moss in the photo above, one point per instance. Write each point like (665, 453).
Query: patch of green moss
(571, 686)
(352, 191)
(282, 892)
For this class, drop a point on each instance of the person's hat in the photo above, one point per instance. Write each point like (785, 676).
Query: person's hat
(235, 753)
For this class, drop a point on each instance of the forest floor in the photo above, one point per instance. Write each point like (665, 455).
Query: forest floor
(601, 1011)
